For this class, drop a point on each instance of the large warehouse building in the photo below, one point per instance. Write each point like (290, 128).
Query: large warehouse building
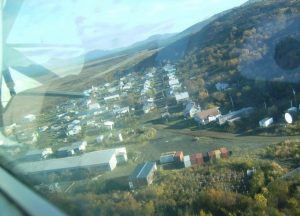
(104, 160)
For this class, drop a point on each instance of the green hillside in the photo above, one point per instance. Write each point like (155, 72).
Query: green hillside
(239, 48)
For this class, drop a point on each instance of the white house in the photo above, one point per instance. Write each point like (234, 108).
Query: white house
(106, 84)
(182, 96)
(79, 146)
(112, 89)
(266, 122)
(121, 155)
(169, 68)
(174, 81)
(109, 124)
(46, 152)
(127, 86)
(187, 161)
(206, 116)
(75, 130)
(112, 97)
(93, 106)
(147, 107)
(122, 110)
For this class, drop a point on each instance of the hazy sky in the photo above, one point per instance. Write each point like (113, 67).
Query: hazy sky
(99, 24)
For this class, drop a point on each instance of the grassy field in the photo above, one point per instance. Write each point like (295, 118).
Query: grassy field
(191, 141)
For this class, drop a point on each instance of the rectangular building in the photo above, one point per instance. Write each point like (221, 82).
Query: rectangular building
(178, 156)
(167, 157)
(187, 161)
(196, 159)
(182, 96)
(242, 113)
(104, 160)
(266, 122)
(224, 152)
(206, 116)
(142, 175)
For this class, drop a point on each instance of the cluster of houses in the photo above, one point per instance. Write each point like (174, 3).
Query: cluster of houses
(143, 174)
(72, 149)
(193, 159)
(175, 87)
(147, 97)
(203, 117)
(24, 132)
(201, 158)
(92, 115)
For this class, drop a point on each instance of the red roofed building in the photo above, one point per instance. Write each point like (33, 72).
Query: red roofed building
(206, 116)
(196, 159)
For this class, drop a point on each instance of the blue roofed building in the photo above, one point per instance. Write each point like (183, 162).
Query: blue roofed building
(142, 175)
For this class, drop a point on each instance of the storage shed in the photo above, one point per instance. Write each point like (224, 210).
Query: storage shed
(142, 175)
(196, 159)
(224, 152)
(187, 161)
(167, 157)
(266, 122)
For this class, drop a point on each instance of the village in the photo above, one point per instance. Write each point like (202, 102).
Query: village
(112, 120)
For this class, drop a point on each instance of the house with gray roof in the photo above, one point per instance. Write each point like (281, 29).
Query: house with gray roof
(104, 160)
(142, 175)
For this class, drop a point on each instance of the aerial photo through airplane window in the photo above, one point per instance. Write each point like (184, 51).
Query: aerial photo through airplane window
(153, 107)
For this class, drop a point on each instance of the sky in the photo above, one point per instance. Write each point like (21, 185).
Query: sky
(64, 29)
(108, 24)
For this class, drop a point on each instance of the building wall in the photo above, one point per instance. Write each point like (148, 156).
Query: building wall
(113, 162)
(135, 182)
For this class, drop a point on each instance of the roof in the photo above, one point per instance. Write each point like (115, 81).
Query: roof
(217, 151)
(142, 170)
(172, 153)
(224, 150)
(88, 159)
(109, 123)
(190, 105)
(209, 112)
(179, 153)
(73, 146)
(182, 96)
(266, 119)
(34, 152)
(111, 97)
(196, 156)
